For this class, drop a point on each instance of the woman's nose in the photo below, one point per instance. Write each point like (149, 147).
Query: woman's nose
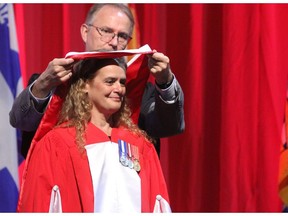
(119, 87)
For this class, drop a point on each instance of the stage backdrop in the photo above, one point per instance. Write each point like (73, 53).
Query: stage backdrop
(231, 61)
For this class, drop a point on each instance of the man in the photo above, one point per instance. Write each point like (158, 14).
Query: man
(108, 27)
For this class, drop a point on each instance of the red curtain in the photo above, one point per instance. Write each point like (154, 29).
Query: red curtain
(230, 60)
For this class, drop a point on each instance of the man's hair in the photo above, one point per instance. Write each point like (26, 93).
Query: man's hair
(123, 7)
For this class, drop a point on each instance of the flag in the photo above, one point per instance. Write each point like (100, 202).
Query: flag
(10, 86)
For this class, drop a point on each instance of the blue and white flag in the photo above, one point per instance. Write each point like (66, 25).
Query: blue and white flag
(10, 86)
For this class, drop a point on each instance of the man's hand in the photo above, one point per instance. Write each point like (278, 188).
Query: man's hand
(59, 70)
(159, 66)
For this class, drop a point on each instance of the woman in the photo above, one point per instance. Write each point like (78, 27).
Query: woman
(96, 159)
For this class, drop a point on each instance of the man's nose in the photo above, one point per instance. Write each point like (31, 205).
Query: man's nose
(114, 41)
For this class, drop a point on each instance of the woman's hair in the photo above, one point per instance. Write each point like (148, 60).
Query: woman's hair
(123, 7)
(76, 108)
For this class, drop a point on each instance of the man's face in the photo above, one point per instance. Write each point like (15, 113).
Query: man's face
(107, 19)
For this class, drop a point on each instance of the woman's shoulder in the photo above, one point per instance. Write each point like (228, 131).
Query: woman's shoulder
(61, 135)
(63, 131)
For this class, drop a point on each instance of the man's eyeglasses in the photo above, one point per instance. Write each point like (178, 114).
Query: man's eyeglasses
(108, 34)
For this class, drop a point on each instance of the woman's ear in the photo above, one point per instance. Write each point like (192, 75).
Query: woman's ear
(86, 87)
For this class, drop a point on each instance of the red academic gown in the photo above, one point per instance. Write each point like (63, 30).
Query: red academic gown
(56, 160)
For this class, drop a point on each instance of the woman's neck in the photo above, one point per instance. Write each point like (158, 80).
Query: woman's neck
(103, 122)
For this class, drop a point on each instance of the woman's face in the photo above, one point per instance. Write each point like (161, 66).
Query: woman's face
(107, 89)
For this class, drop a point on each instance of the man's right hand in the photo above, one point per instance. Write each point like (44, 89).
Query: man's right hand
(58, 71)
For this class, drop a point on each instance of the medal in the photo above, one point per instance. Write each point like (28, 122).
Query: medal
(130, 161)
(130, 164)
(128, 155)
(137, 166)
(125, 162)
(136, 162)
(122, 159)
(122, 152)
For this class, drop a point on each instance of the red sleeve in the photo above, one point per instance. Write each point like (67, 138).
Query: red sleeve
(48, 166)
(37, 179)
(152, 178)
